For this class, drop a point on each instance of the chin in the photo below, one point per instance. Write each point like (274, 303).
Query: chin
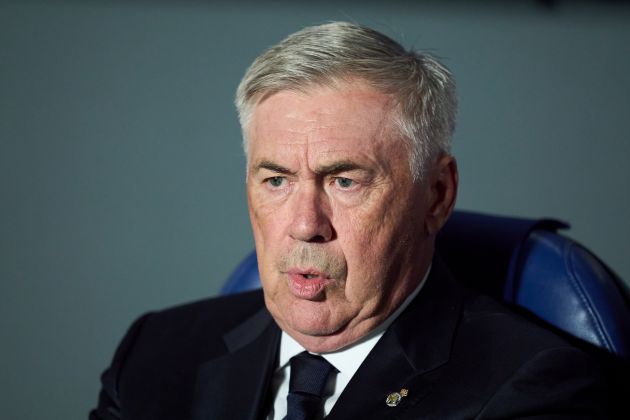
(312, 330)
(310, 321)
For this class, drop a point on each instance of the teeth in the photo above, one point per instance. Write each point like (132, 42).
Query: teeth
(309, 276)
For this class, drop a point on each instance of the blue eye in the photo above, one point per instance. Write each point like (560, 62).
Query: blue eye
(275, 181)
(344, 182)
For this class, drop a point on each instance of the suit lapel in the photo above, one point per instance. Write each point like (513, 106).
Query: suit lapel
(418, 342)
(235, 385)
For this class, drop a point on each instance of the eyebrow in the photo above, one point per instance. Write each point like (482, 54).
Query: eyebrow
(338, 167)
(273, 167)
(330, 169)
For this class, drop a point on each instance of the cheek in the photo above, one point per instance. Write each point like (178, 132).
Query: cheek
(263, 238)
(265, 219)
(361, 240)
(367, 227)
(373, 237)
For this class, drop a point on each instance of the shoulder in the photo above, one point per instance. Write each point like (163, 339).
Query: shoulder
(214, 314)
(504, 327)
(157, 360)
(197, 325)
(485, 323)
(522, 366)
(503, 340)
(501, 363)
(479, 323)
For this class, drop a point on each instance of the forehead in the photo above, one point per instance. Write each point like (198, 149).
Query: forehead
(347, 115)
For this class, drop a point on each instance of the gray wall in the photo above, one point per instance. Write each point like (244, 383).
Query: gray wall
(121, 175)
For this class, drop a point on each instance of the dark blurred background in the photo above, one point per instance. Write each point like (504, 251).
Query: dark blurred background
(122, 177)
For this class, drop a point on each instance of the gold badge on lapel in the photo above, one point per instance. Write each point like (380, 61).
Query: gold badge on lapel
(394, 398)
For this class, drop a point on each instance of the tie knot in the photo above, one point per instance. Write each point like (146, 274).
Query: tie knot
(309, 374)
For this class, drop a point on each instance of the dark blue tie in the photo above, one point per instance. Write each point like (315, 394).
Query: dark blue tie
(309, 374)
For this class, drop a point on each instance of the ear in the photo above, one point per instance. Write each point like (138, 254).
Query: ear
(442, 186)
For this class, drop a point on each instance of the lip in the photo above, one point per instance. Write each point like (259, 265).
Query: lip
(309, 288)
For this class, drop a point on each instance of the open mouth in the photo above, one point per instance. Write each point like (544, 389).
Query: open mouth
(307, 273)
(307, 284)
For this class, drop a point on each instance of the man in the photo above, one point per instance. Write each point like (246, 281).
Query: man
(349, 179)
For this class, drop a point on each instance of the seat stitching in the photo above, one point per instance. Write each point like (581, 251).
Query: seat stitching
(586, 301)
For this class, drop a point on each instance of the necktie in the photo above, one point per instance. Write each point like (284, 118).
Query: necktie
(309, 374)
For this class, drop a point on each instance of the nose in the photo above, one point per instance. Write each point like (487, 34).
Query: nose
(310, 216)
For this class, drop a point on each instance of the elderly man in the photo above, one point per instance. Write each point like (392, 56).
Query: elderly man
(349, 179)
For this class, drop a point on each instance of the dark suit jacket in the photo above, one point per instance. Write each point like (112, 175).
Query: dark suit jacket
(460, 355)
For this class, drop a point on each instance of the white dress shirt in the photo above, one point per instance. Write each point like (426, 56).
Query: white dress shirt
(346, 361)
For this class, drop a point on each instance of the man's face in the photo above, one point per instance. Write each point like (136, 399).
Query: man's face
(338, 222)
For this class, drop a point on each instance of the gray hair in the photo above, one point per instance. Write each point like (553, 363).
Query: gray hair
(422, 87)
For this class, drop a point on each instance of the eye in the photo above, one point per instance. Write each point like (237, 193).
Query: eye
(344, 183)
(275, 181)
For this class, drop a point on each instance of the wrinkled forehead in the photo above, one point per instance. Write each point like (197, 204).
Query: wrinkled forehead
(323, 112)
(349, 106)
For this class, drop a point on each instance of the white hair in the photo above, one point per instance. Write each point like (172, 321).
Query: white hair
(423, 89)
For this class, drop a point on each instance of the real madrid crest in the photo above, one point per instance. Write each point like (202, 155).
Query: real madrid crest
(394, 398)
